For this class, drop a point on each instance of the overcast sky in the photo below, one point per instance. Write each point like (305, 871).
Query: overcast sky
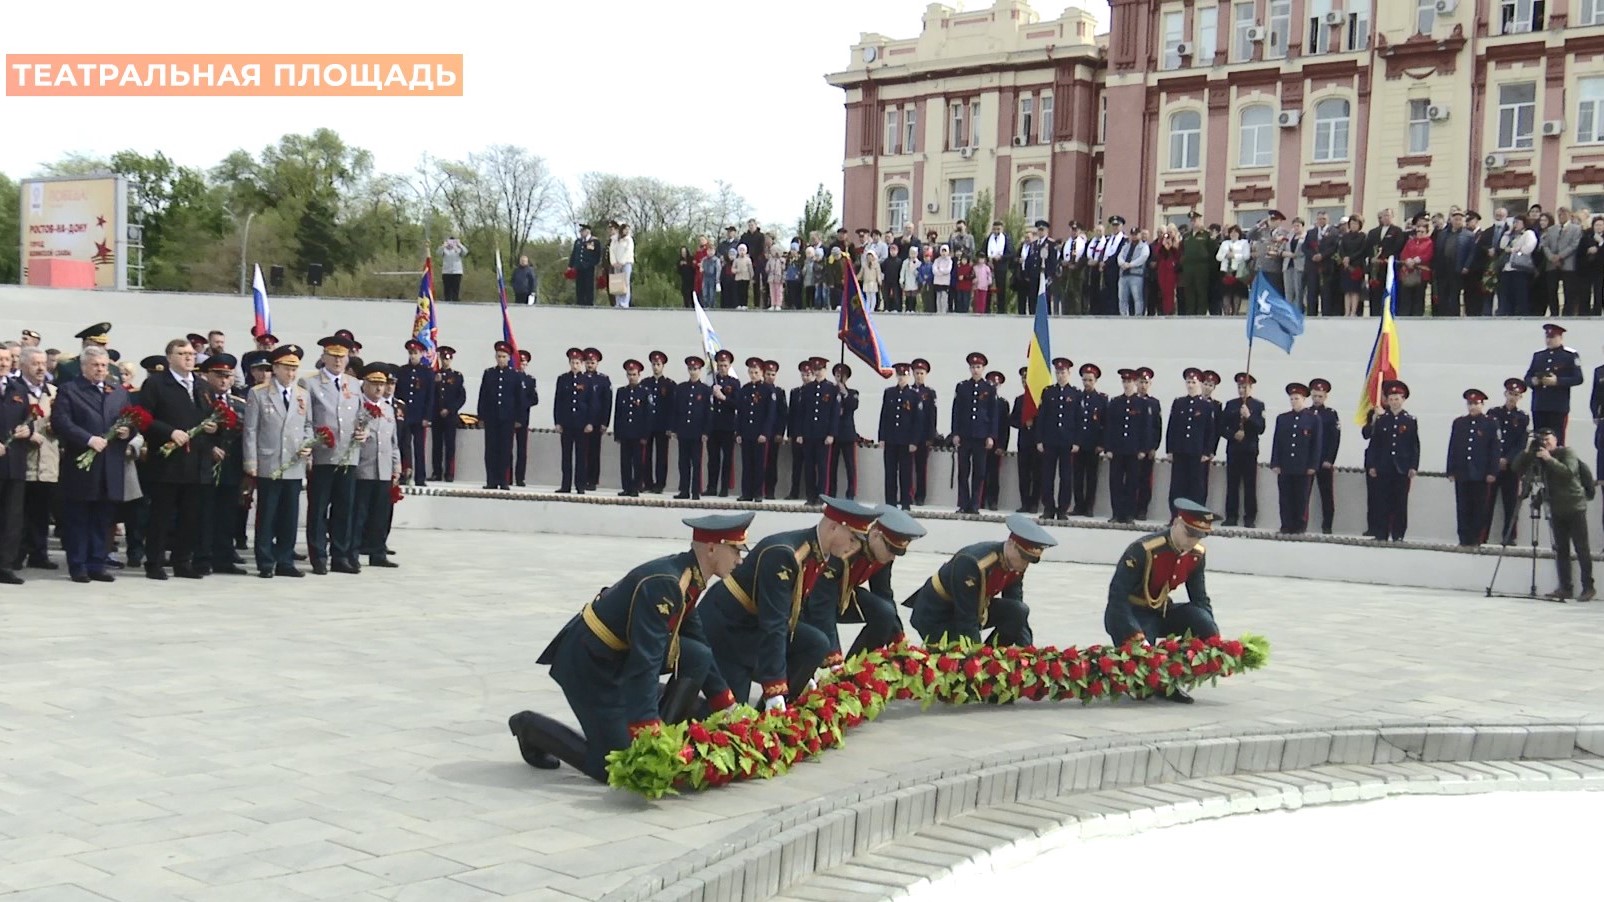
(733, 92)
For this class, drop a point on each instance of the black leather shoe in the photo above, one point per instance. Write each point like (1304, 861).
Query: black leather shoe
(320, 568)
(682, 496)
(8, 578)
(80, 577)
(382, 562)
(299, 556)
(344, 567)
(564, 491)
(533, 756)
(187, 572)
(102, 577)
(155, 573)
(288, 571)
(265, 574)
(42, 563)
(1178, 696)
(230, 570)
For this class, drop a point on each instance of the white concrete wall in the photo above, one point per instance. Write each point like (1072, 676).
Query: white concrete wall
(1440, 358)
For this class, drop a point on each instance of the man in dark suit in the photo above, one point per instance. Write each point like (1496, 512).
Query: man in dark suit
(178, 402)
(583, 260)
(1039, 265)
(1316, 264)
(1384, 242)
(16, 431)
(86, 409)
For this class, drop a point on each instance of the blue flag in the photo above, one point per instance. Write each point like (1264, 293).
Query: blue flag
(1271, 316)
(856, 329)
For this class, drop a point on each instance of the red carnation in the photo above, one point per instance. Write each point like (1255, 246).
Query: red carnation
(813, 746)
(904, 693)
(864, 678)
(910, 667)
(866, 697)
(774, 752)
(699, 733)
(1042, 667)
(1129, 667)
(984, 690)
(930, 676)
(1011, 654)
(1215, 642)
(1177, 669)
(947, 665)
(710, 773)
(720, 739)
(1078, 671)
(1016, 678)
(1096, 688)
(972, 668)
(1233, 648)
(853, 720)
(1107, 664)
(994, 667)
(1154, 679)
(986, 651)
(1171, 646)
(687, 754)
(1056, 670)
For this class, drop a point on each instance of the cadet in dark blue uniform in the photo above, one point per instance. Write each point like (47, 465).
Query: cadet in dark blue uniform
(857, 589)
(782, 414)
(754, 427)
(1294, 458)
(1057, 432)
(1242, 422)
(634, 409)
(601, 412)
(1514, 426)
(583, 260)
(693, 411)
(1392, 460)
(981, 586)
(520, 429)
(845, 449)
(998, 450)
(1091, 415)
(1125, 440)
(1191, 441)
(414, 387)
(1474, 449)
(1211, 381)
(721, 435)
(450, 393)
(753, 616)
(793, 428)
(818, 420)
(899, 436)
(572, 416)
(1330, 441)
(608, 658)
(501, 394)
(1139, 607)
(1028, 455)
(926, 408)
(974, 405)
(655, 471)
(1144, 466)
(1554, 371)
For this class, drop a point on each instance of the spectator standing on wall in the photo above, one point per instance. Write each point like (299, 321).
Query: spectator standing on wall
(689, 274)
(451, 254)
(621, 254)
(525, 282)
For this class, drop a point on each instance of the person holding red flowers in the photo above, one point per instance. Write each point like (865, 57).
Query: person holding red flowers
(982, 586)
(1352, 246)
(276, 446)
(220, 504)
(378, 467)
(87, 410)
(608, 658)
(1414, 271)
(1139, 606)
(16, 431)
(178, 402)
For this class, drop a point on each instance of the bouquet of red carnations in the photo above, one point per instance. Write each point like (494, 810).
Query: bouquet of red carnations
(223, 416)
(133, 417)
(369, 412)
(322, 435)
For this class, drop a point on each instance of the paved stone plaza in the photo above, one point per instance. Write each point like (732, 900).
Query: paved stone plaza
(344, 737)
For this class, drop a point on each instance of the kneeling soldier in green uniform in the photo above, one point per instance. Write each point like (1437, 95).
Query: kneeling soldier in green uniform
(1139, 607)
(608, 658)
(981, 586)
(857, 589)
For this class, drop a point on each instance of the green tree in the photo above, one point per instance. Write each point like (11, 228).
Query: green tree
(818, 214)
(10, 231)
(980, 214)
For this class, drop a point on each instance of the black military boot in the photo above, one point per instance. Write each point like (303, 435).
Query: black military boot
(679, 700)
(528, 727)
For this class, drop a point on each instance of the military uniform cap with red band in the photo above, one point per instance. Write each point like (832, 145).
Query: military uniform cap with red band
(919, 363)
(1029, 536)
(1092, 368)
(1063, 363)
(1320, 385)
(721, 529)
(575, 354)
(1211, 377)
(723, 356)
(633, 366)
(1144, 372)
(897, 527)
(856, 517)
(657, 357)
(593, 355)
(771, 366)
(1475, 395)
(1199, 519)
(1515, 385)
(1248, 378)
(976, 358)
(1191, 373)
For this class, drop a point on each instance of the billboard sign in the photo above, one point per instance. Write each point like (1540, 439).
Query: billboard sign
(77, 218)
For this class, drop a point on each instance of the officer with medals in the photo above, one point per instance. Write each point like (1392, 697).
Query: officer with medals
(634, 408)
(857, 589)
(415, 388)
(753, 617)
(608, 658)
(1191, 440)
(1474, 449)
(501, 395)
(899, 435)
(220, 502)
(450, 393)
(973, 432)
(1241, 423)
(1091, 412)
(926, 409)
(1139, 607)
(1514, 425)
(654, 472)
(693, 413)
(754, 425)
(573, 418)
(981, 586)
(582, 260)
(1553, 372)
(1294, 458)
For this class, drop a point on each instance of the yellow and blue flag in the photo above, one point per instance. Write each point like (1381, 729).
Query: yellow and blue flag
(1038, 363)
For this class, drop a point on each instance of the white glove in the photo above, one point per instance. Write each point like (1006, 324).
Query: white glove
(774, 703)
(813, 684)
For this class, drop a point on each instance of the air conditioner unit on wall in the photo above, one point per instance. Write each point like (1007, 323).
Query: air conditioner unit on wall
(1288, 118)
(1444, 7)
(1256, 34)
(1553, 127)
(932, 207)
(966, 152)
(1183, 49)
(1019, 140)
(1495, 161)
(1335, 17)
(1437, 112)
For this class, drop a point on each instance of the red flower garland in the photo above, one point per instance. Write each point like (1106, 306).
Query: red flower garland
(739, 743)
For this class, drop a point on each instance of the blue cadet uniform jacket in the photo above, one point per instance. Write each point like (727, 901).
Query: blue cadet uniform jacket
(820, 411)
(846, 427)
(1394, 443)
(1296, 448)
(634, 408)
(693, 409)
(1091, 418)
(1192, 426)
(1474, 447)
(926, 407)
(1130, 420)
(1514, 427)
(724, 411)
(501, 395)
(1330, 433)
(450, 393)
(414, 387)
(1058, 416)
(974, 410)
(900, 418)
(1231, 422)
(1563, 363)
(754, 411)
(662, 389)
(575, 396)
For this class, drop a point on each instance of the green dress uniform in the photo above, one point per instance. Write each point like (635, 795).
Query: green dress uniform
(858, 590)
(1149, 570)
(974, 590)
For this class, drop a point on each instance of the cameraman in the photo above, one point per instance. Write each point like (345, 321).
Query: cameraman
(1556, 475)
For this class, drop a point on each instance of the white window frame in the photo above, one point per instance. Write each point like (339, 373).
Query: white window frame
(1357, 30)
(1256, 143)
(1033, 204)
(1328, 130)
(1319, 32)
(893, 132)
(957, 113)
(961, 201)
(1026, 125)
(1045, 133)
(910, 129)
(1591, 13)
(1511, 114)
(1425, 16)
(1186, 144)
(974, 123)
(1172, 31)
(1419, 138)
(1279, 22)
(1520, 16)
(1102, 117)
(1590, 111)
(899, 209)
(1241, 47)
(1207, 19)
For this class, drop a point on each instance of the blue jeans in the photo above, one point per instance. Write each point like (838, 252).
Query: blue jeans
(709, 290)
(1132, 295)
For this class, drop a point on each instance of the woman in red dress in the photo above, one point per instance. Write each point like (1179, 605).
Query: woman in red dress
(1167, 263)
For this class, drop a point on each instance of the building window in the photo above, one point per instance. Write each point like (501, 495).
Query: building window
(1280, 28)
(1590, 113)
(974, 123)
(1519, 16)
(1033, 199)
(1186, 139)
(1027, 118)
(893, 132)
(1425, 16)
(1208, 35)
(957, 119)
(1592, 203)
(1411, 208)
(1171, 29)
(910, 129)
(1592, 12)
(1102, 119)
(897, 207)
(1319, 31)
(1046, 136)
(1359, 28)
(1333, 216)
(1242, 20)
(1419, 127)
(1517, 113)
(962, 192)
(1331, 130)
(1257, 138)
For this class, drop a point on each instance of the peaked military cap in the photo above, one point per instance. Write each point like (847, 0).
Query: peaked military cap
(217, 363)
(287, 354)
(1029, 535)
(1194, 515)
(98, 333)
(252, 359)
(851, 514)
(898, 526)
(155, 363)
(722, 529)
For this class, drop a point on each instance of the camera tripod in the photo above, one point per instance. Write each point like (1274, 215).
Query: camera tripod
(1534, 501)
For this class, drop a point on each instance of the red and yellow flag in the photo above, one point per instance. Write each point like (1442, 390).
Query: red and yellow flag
(1383, 356)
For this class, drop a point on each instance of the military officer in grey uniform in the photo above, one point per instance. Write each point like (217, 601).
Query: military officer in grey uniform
(278, 428)
(378, 467)
(335, 402)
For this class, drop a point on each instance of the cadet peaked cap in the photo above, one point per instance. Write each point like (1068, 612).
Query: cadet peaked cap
(721, 529)
(1029, 535)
